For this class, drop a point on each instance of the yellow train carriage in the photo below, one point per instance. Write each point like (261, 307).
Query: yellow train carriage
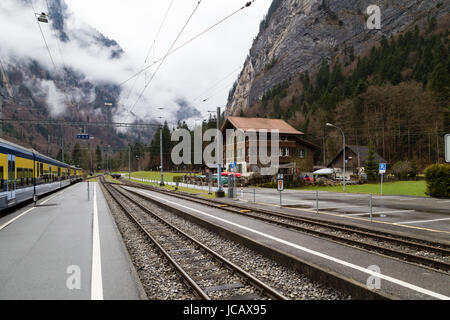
(25, 173)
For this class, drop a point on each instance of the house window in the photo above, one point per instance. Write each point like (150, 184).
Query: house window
(302, 154)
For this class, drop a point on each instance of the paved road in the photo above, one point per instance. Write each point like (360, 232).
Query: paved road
(403, 280)
(413, 212)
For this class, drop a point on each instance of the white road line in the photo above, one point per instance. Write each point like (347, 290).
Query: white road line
(96, 275)
(378, 212)
(24, 213)
(322, 255)
(341, 207)
(421, 221)
(444, 201)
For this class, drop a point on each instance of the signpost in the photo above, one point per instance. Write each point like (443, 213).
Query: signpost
(447, 147)
(280, 185)
(382, 171)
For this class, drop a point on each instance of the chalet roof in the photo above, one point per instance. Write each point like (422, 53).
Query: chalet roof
(363, 151)
(256, 124)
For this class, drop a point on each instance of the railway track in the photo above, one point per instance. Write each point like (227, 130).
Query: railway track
(210, 275)
(433, 256)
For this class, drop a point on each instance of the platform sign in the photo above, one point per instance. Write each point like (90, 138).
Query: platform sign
(83, 136)
(447, 147)
(382, 172)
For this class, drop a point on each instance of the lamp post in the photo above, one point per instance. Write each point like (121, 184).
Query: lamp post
(343, 138)
(161, 151)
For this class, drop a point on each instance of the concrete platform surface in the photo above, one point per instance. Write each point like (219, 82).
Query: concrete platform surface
(67, 247)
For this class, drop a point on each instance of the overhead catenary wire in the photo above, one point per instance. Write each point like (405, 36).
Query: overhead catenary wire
(152, 45)
(188, 41)
(43, 37)
(49, 51)
(216, 84)
(164, 58)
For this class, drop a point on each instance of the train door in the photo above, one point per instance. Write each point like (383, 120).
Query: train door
(11, 183)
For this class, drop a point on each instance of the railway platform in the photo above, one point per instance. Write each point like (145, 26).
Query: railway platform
(65, 248)
(390, 277)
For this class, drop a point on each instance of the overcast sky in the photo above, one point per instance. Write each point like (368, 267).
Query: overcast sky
(190, 72)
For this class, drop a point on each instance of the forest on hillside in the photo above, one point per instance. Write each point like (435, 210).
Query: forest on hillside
(397, 96)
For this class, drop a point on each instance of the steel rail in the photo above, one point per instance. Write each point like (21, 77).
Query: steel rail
(261, 286)
(198, 291)
(424, 261)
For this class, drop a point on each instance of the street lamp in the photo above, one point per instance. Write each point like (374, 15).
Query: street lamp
(343, 138)
(161, 151)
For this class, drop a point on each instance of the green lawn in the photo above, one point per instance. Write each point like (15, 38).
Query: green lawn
(156, 175)
(409, 188)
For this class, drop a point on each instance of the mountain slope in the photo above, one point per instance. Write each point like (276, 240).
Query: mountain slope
(316, 62)
(70, 85)
(298, 34)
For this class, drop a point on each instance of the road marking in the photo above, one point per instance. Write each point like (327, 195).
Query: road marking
(379, 212)
(96, 275)
(421, 221)
(316, 253)
(24, 213)
(341, 207)
(444, 201)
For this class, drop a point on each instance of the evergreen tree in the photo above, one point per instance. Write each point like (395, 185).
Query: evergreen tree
(98, 157)
(76, 155)
(439, 81)
(371, 168)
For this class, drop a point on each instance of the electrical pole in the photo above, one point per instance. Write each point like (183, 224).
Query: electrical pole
(220, 192)
(48, 146)
(161, 155)
(62, 148)
(129, 162)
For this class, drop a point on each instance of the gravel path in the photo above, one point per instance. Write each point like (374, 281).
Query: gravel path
(158, 277)
(290, 283)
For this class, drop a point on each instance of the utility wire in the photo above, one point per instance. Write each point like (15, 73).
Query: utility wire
(189, 41)
(149, 50)
(43, 37)
(164, 58)
(216, 84)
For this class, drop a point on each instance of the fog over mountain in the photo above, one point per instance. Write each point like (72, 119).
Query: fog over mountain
(81, 69)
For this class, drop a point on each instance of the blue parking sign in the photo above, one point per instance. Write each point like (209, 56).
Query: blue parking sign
(382, 167)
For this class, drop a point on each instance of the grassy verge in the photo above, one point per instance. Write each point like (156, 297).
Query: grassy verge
(112, 180)
(407, 188)
(156, 175)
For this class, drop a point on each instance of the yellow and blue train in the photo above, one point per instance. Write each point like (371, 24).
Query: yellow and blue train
(25, 173)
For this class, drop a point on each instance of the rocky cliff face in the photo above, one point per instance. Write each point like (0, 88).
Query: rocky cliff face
(298, 34)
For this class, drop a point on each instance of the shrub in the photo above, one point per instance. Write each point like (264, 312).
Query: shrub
(438, 180)
(401, 169)
(178, 179)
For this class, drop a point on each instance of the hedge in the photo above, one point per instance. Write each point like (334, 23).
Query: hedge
(438, 180)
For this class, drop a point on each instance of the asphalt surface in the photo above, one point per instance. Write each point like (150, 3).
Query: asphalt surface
(48, 252)
(400, 279)
(409, 211)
